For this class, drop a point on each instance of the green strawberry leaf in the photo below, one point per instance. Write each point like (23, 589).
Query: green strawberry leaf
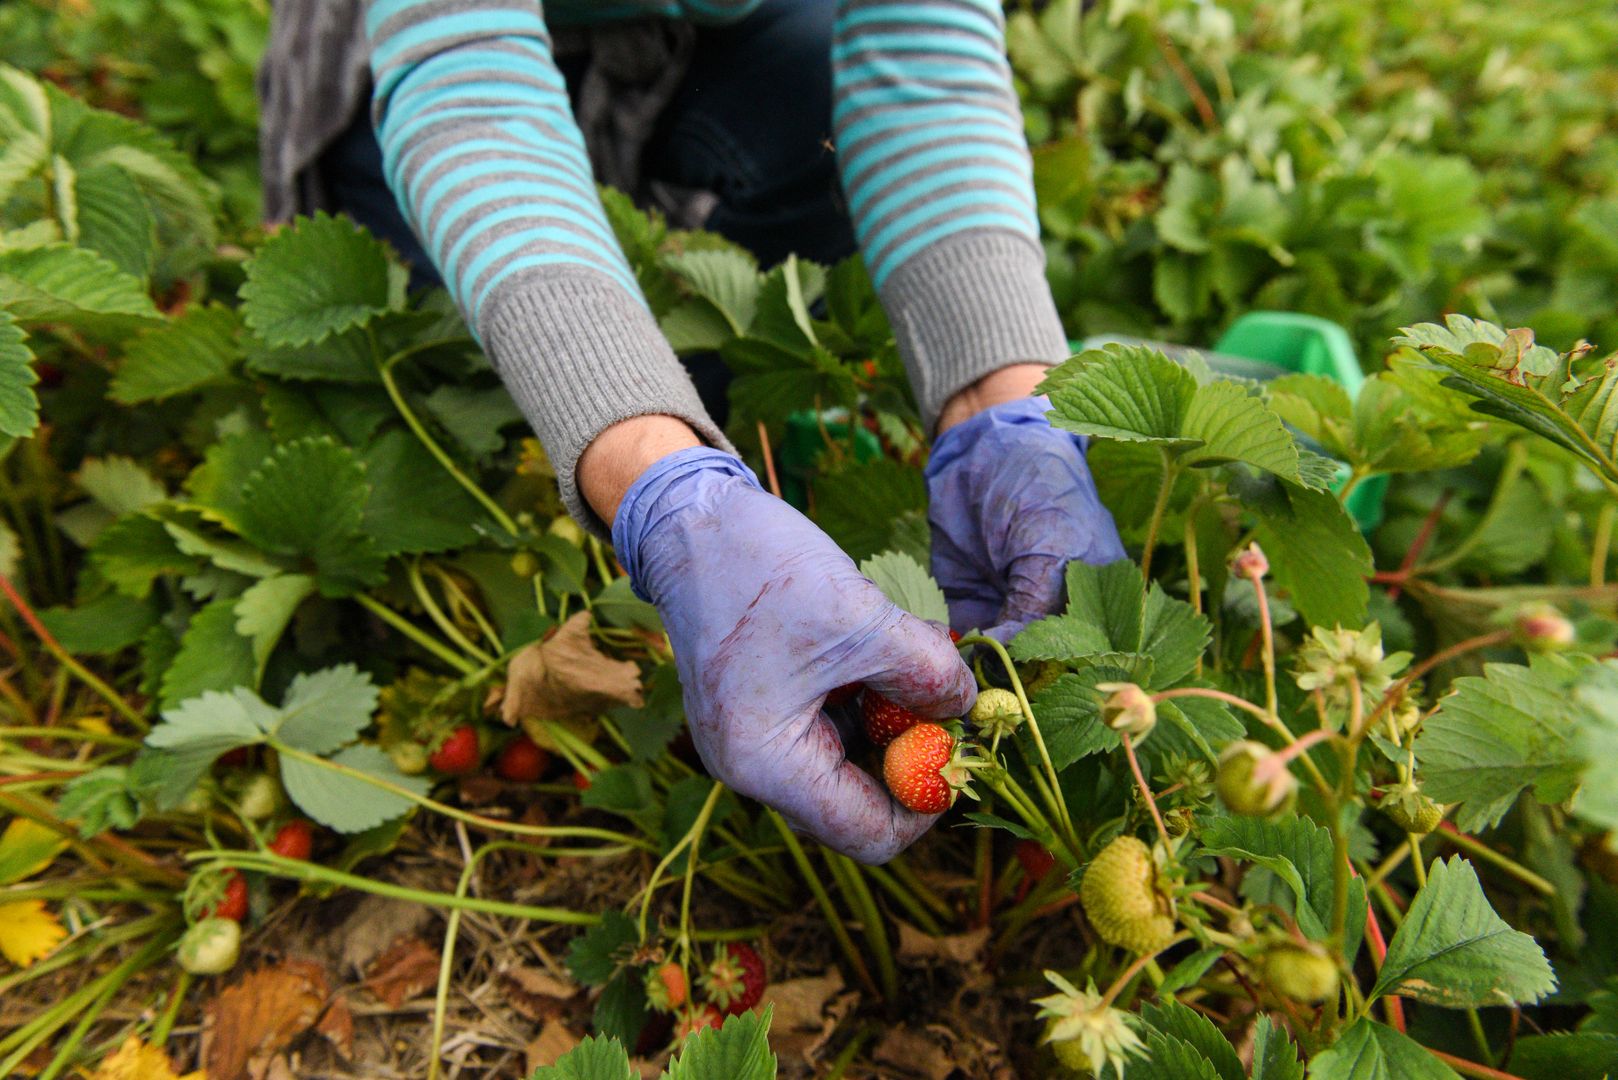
(321, 276)
(1069, 712)
(907, 583)
(1059, 637)
(265, 609)
(99, 800)
(595, 955)
(474, 416)
(59, 283)
(308, 501)
(739, 1050)
(1453, 950)
(1597, 693)
(216, 484)
(348, 803)
(1274, 1055)
(347, 357)
(414, 504)
(198, 349)
(1513, 728)
(103, 626)
(326, 709)
(1182, 1023)
(595, 1058)
(134, 551)
(1367, 1050)
(1317, 555)
(1299, 853)
(19, 406)
(119, 485)
(114, 219)
(1561, 1056)
(195, 732)
(861, 504)
(726, 278)
(1171, 1058)
(212, 656)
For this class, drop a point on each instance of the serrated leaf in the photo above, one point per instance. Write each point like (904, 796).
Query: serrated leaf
(1367, 1050)
(235, 556)
(1274, 1055)
(308, 501)
(1169, 1058)
(596, 954)
(625, 790)
(1318, 556)
(1058, 637)
(1186, 972)
(1453, 950)
(28, 932)
(326, 709)
(212, 656)
(1564, 1056)
(1511, 729)
(19, 406)
(198, 349)
(113, 218)
(859, 504)
(740, 1050)
(782, 315)
(1597, 694)
(727, 278)
(195, 732)
(1111, 597)
(907, 583)
(319, 277)
(216, 484)
(348, 803)
(1174, 635)
(347, 357)
(99, 800)
(59, 283)
(135, 551)
(474, 415)
(595, 1058)
(263, 611)
(1294, 849)
(1069, 712)
(415, 506)
(108, 624)
(119, 485)
(621, 1011)
(1189, 1026)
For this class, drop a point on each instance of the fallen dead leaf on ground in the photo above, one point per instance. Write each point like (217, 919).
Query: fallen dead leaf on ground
(134, 1060)
(806, 1013)
(337, 1025)
(951, 949)
(535, 993)
(914, 1054)
(554, 1040)
(566, 679)
(408, 967)
(376, 923)
(28, 931)
(247, 1024)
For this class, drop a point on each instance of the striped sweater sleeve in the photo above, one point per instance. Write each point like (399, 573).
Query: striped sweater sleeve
(482, 153)
(939, 182)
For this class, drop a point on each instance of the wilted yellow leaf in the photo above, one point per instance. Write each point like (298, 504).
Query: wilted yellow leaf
(26, 848)
(137, 1061)
(28, 932)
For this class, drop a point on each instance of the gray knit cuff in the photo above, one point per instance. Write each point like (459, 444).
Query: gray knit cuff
(971, 304)
(579, 354)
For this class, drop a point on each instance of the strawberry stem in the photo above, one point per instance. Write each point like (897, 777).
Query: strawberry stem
(1145, 788)
(860, 902)
(1267, 630)
(818, 888)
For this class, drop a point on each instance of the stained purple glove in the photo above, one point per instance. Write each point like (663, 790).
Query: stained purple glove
(766, 615)
(1011, 503)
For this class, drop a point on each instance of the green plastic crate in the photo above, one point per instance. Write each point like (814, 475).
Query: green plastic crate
(1265, 344)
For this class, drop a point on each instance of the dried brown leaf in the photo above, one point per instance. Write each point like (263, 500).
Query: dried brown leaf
(337, 1025)
(914, 1054)
(554, 1040)
(408, 967)
(375, 923)
(566, 679)
(247, 1024)
(535, 992)
(950, 949)
(134, 1060)
(800, 1004)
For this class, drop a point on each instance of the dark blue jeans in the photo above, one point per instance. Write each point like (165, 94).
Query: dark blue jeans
(751, 124)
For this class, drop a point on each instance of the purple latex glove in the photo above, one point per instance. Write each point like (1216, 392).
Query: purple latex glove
(766, 615)
(1011, 503)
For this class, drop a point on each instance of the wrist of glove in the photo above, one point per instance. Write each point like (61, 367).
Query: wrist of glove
(766, 615)
(1011, 502)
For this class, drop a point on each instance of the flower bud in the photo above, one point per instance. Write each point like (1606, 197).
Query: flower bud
(1250, 563)
(1541, 628)
(1302, 974)
(1128, 709)
(996, 712)
(525, 564)
(1246, 787)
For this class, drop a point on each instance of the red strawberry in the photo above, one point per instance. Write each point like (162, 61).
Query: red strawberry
(843, 694)
(233, 759)
(666, 988)
(924, 770)
(736, 979)
(294, 840)
(697, 1018)
(233, 905)
(1036, 862)
(885, 720)
(581, 781)
(521, 760)
(955, 636)
(458, 753)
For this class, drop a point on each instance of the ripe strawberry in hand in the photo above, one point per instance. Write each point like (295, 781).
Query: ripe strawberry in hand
(885, 720)
(521, 760)
(925, 769)
(458, 753)
(736, 979)
(294, 840)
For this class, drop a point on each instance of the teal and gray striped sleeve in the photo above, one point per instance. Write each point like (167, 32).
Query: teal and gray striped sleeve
(481, 150)
(939, 183)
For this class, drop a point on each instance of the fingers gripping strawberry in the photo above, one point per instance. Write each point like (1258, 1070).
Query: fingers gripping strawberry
(767, 617)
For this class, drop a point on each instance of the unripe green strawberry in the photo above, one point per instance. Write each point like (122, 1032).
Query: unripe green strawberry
(1302, 974)
(525, 564)
(409, 757)
(1412, 811)
(259, 797)
(996, 712)
(568, 529)
(210, 947)
(1070, 1053)
(1249, 783)
(1121, 898)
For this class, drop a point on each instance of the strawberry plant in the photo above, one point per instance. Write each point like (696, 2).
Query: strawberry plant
(1274, 797)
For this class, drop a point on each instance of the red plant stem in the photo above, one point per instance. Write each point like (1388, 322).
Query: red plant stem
(1215, 695)
(1423, 536)
(1442, 656)
(1145, 790)
(28, 615)
(1214, 902)
(1294, 750)
(29, 778)
(1060, 904)
(769, 460)
(1471, 1068)
(1379, 952)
